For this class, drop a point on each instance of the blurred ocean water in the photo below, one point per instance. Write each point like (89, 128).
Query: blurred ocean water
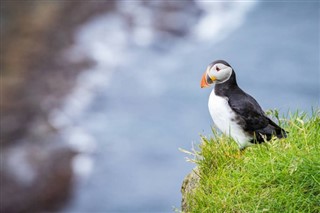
(142, 100)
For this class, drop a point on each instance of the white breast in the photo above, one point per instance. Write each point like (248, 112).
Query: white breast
(225, 119)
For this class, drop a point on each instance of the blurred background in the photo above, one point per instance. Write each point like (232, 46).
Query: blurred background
(97, 97)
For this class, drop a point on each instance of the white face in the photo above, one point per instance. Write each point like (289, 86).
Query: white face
(219, 72)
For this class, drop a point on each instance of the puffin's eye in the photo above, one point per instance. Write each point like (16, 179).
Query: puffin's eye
(218, 69)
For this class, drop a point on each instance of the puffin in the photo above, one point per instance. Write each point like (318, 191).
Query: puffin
(236, 113)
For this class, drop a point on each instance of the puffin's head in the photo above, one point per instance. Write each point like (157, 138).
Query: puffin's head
(217, 72)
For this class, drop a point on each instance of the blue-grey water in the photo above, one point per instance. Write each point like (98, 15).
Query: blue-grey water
(151, 103)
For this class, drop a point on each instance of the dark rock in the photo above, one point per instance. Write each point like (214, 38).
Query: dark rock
(189, 184)
(35, 177)
(36, 168)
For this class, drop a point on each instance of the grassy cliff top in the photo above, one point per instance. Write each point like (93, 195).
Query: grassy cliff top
(279, 176)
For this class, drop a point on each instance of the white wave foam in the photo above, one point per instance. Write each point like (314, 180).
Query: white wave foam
(220, 19)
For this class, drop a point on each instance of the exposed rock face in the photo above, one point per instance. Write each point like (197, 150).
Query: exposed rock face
(36, 167)
(189, 184)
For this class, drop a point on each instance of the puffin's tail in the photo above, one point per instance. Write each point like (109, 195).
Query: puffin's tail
(266, 133)
(278, 131)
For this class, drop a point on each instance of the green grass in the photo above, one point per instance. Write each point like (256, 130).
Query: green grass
(279, 176)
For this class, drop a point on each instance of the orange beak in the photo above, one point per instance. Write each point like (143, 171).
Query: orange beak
(204, 81)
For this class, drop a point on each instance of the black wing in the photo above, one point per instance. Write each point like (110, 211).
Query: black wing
(250, 115)
(253, 119)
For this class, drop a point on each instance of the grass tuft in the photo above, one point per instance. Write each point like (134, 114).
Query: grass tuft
(278, 176)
